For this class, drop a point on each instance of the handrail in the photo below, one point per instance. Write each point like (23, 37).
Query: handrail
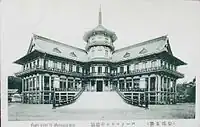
(67, 102)
(129, 101)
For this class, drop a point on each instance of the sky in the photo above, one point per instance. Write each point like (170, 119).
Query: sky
(132, 21)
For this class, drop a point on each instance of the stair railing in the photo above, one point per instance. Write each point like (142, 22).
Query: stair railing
(72, 100)
(134, 102)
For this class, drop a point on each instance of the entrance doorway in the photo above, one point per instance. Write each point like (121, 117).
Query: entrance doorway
(99, 86)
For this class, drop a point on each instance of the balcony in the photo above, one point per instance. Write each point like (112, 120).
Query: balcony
(95, 74)
(150, 70)
(50, 70)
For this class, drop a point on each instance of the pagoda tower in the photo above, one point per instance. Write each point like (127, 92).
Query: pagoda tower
(100, 42)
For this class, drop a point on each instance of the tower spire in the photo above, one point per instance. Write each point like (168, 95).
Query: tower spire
(100, 16)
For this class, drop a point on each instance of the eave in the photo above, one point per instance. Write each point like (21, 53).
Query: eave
(30, 56)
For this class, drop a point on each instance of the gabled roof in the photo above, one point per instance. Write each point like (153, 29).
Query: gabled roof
(56, 48)
(149, 47)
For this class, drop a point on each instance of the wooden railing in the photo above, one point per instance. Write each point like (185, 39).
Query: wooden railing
(70, 101)
(134, 102)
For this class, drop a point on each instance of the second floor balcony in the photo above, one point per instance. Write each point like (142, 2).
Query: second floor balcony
(149, 70)
(49, 70)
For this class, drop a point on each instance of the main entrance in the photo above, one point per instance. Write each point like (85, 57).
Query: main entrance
(99, 86)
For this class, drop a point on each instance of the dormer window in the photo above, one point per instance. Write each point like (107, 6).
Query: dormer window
(143, 51)
(56, 50)
(73, 54)
(127, 55)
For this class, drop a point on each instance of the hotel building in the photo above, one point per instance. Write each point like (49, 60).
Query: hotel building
(51, 65)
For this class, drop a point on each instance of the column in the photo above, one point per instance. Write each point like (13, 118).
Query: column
(90, 86)
(110, 87)
(149, 88)
(156, 89)
(50, 94)
(124, 83)
(175, 91)
(159, 88)
(95, 85)
(40, 80)
(50, 82)
(117, 83)
(139, 98)
(22, 90)
(67, 82)
(73, 83)
(43, 89)
(132, 83)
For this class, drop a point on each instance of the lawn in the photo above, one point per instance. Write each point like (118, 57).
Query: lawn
(25, 112)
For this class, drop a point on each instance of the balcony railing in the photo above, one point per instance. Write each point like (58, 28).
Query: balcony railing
(149, 70)
(98, 74)
(134, 72)
(53, 70)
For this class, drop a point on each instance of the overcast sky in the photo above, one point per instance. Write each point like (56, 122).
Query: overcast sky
(133, 21)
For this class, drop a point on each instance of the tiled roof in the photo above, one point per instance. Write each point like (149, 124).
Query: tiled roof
(58, 49)
(141, 49)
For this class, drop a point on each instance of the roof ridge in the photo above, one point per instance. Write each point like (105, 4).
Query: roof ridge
(142, 43)
(60, 43)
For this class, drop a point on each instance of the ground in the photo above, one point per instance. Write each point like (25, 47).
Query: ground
(25, 112)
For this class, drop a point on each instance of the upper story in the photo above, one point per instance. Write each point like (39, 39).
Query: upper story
(99, 55)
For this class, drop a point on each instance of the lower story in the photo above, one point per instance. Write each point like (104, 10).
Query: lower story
(40, 88)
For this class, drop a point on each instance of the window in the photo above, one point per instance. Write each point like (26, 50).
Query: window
(56, 50)
(63, 66)
(70, 67)
(143, 51)
(136, 66)
(106, 69)
(54, 64)
(106, 52)
(93, 69)
(33, 64)
(99, 69)
(144, 65)
(128, 68)
(127, 55)
(30, 65)
(153, 63)
(121, 69)
(38, 62)
(73, 54)
(77, 69)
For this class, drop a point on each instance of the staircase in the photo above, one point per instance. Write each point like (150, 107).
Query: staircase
(99, 100)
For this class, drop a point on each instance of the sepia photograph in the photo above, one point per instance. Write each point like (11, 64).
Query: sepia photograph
(100, 60)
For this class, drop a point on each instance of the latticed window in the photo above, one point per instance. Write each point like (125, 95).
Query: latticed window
(106, 69)
(99, 69)
(93, 69)
(55, 64)
(63, 66)
(70, 67)
(77, 69)
(121, 69)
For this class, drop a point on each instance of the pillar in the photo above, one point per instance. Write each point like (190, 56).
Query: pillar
(67, 82)
(149, 79)
(132, 83)
(124, 83)
(73, 83)
(43, 89)
(23, 90)
(156, 89)
(159, 89)
(50, 89)
(117, 83)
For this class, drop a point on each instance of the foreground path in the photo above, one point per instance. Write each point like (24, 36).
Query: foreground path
(100, 101)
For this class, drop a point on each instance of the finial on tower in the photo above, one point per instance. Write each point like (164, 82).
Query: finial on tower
(100, 16)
